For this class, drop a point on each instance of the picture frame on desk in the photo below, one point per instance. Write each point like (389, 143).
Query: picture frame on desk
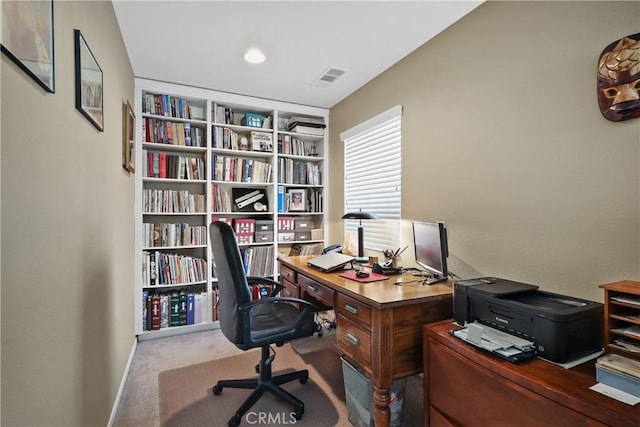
(89, 83)
(27, 39)
(128, 139)
(297, 200)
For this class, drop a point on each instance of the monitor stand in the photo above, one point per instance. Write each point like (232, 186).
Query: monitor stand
(434, 280)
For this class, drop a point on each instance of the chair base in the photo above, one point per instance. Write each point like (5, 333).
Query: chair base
(265, 383)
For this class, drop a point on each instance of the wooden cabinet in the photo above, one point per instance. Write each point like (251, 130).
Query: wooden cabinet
(622, 318)
(464, 386)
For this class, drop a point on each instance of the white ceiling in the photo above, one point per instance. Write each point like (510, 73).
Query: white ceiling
(200, 43)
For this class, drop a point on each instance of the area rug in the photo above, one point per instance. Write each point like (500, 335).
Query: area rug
(186, 398)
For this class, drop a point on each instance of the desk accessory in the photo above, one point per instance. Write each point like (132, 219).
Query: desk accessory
(360, 216)
(373, 277)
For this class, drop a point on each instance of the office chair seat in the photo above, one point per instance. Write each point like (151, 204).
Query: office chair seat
(260, 323)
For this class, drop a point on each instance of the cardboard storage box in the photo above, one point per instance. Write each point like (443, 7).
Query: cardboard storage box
(286, 237)
(303, 224)
(317, 234)
(244, 238)
(302, 235)
(264, 225)
(224, 219)
(286, 223)
(264, 236)
(244, 225)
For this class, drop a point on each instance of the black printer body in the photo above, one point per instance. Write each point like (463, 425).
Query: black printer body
(563, 328)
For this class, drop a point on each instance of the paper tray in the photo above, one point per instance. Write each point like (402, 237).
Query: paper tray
(512, 355)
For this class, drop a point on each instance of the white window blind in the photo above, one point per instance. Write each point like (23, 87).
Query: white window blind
(372, 166)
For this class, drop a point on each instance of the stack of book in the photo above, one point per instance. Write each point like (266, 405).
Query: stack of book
(619, 372)
(308, 125)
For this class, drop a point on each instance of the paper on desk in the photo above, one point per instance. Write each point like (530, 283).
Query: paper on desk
(616, 394)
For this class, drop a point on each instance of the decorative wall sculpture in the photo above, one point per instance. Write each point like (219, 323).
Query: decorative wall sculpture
(619, 79)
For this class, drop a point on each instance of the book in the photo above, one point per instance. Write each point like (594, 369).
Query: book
(310, 130)
(190, 309)
(175, 310)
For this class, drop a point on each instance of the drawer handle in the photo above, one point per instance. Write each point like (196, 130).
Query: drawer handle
(354, 339)
(313, 288)
(352, 309)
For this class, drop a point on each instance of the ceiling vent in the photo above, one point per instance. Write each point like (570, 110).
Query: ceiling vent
(329, 76)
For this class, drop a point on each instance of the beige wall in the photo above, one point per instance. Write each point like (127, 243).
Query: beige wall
(67, 243)
(502, 139)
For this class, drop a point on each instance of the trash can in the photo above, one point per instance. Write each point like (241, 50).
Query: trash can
(359, 396)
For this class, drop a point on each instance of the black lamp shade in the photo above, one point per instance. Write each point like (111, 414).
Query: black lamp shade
(360, 215)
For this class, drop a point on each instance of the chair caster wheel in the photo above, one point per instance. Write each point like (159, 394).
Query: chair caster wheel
(298, 413)
(304, 378)
(235, 421)
(216, 389)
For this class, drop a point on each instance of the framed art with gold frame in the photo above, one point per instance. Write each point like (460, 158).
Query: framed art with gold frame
(128, 139)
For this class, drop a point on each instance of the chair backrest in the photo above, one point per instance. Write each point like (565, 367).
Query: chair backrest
(232, 281)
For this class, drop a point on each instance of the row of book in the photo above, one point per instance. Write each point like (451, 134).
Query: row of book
(160, 268)
(307, 125)
(258, 260)
(291, 145)
(158, 164)
(172, 201)
(299, 172)
(161, 310)
(312, 200)
(173, 234)
(240, 169)
(173, 133)
(165, 105)
(221, 200)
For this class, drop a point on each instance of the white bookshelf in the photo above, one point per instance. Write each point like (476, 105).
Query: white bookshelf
(309, 155)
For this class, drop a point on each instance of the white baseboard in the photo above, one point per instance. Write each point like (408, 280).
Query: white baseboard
(116, 403)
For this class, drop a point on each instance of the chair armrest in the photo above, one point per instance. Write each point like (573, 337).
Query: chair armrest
(277, 287)
(245, 309)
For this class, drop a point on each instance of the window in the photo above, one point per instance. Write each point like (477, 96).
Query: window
(372, 177)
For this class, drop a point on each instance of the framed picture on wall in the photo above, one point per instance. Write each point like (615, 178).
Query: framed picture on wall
(128, 132)
(27, 38)
(88, 83)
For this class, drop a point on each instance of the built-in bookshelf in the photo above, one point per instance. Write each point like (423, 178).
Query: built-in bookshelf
(201, 156)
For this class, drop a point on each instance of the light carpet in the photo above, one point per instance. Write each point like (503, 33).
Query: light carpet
(186, 398)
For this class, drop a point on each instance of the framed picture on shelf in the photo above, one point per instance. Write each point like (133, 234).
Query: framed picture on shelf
(88, 83)
(128, 145)
(27, 38)
(297, 200)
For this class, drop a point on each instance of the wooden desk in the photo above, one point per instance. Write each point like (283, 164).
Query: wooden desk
(466, 387)
(379, 324)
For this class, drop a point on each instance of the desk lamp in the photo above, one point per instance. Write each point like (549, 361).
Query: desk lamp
(360, 216)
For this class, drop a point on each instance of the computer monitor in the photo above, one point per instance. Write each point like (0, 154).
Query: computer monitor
(430, 239)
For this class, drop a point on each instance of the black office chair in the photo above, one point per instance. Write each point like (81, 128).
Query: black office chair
(260, 323)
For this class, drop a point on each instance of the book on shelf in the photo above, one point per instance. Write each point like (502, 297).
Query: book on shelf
(175, 310)
(282, 206)
(309, 130)
(306, 119)
(261, 141)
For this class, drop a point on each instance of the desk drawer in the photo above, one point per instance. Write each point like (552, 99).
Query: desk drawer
(354, 340)
(287, 273)
(353, 309)
(290, 289)
(316, 290)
